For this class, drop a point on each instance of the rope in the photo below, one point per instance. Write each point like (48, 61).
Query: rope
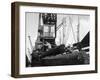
(59, 26)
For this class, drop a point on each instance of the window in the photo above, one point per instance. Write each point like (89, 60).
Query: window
(49, 31)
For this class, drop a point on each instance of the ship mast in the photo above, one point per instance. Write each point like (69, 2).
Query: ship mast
(78, 35)
(78, 27)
